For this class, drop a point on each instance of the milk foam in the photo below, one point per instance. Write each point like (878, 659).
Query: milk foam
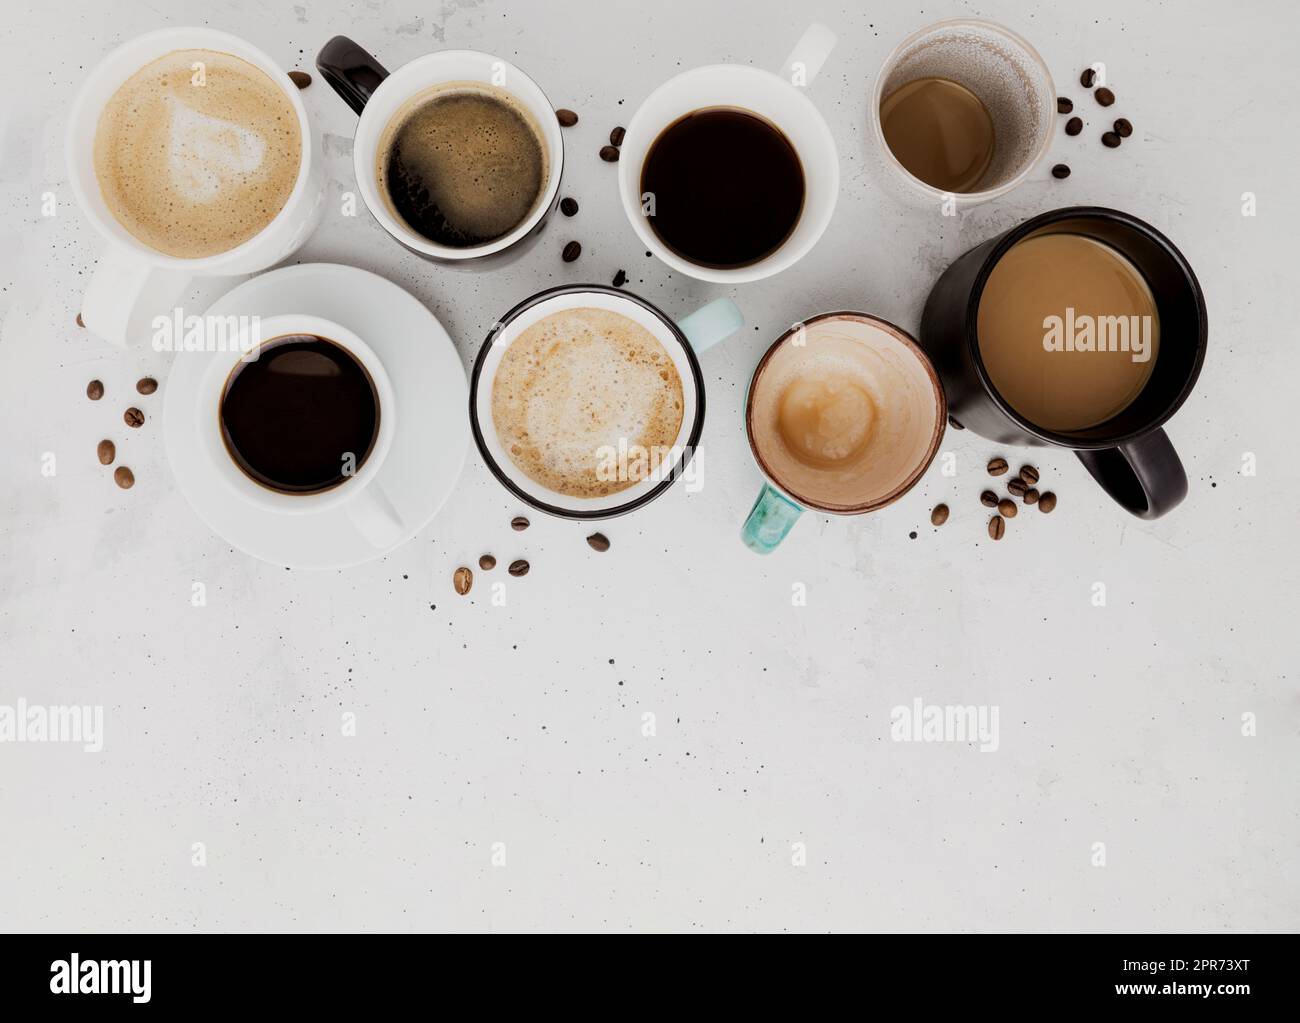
(577, 384)
(207, 154)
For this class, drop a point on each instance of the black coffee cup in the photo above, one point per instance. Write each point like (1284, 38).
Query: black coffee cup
(1129, 454)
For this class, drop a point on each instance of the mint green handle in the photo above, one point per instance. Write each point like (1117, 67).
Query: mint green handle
(709, 324)
(769, 520)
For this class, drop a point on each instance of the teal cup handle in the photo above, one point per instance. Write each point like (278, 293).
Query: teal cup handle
(711, 323)
(771, 518)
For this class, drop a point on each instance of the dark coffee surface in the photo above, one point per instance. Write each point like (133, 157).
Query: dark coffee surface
(290, 418)
(728, 187)
(464, 168)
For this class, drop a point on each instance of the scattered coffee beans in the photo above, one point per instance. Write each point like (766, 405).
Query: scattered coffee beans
(619, 280)
(609, 154)
(106, 451)
(616, 136)
(598, 542)
(146, 385)
(462, 580)
(567, 118)
(1123, 127)
(997, 466)
(940, 515)
(1074, 125)
(487, 562)
(1017, 487)
(989, 499)
(1060, 171)
(94, 390)
(568, 206)
(124, 477)
(519, 523)
(300, 79)
(1109, 139)
(571, 252)
(1031, 496)
(1087, 78)
(1047, 502)
(133, 417)
(997, 527)
(80, 322)
(1063, 105)
(518, 568)
(1104, 96)
(1007, 508)
(1029, 474)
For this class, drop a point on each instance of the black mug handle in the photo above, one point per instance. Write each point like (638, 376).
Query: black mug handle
(1144, 475)
(351, 71)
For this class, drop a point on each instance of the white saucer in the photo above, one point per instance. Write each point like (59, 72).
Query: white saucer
(428, 449)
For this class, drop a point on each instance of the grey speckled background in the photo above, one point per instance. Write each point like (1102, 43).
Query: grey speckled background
(522, 725)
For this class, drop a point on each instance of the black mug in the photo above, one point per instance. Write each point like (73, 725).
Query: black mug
(378, 97)
(1128, 454)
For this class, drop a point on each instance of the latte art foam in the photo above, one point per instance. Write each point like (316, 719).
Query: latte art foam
(576, 385)
(194, 170)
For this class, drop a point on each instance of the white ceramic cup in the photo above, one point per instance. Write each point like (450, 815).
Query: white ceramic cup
(1007, 75)
(376, 95)
(361, 495)
(774, 97)
(133, 282)
(682, 339)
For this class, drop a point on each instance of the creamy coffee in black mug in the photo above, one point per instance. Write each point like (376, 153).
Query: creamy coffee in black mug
(1083, 328)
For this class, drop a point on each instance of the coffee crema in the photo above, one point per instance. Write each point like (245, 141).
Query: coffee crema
(1051, 285)
(577, 386)
(302, 417)
(197, 152)
(462, 164)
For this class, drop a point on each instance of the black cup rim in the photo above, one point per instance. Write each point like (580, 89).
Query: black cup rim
(692, 441)
(1014, 235)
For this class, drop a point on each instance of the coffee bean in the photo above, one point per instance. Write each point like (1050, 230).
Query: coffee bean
(1047, 502)
(1123, 127)
(1060, 171)
(989, 499)
(133, 417)
(954, 424)
(567, 118)
(616, 136)
(619, 280)
(1074, 125)
(1063, 105)
(1087, 78)
(1029, 474)
(1017, 487)
(518, 568)
(571, 252)
(107, 451)
(568, 206)
(519, 523)
(1109, 139)
(80, 322)
(124, 477)
(997, 527)
(1007, 508)
(462, 580)
(94, 390)
(997, 466)
(487, 562)
(939, 515)
(598, 542)
(146, 385)
(300, 79)
(609, 154)
(1104, 96)
(1031, 496)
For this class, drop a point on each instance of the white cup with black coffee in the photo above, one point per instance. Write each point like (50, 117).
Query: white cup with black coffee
(457, 154)
(191, 152)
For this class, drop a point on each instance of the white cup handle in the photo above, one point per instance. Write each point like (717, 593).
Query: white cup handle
(126, 294)
(376, 517)
(809, 54)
